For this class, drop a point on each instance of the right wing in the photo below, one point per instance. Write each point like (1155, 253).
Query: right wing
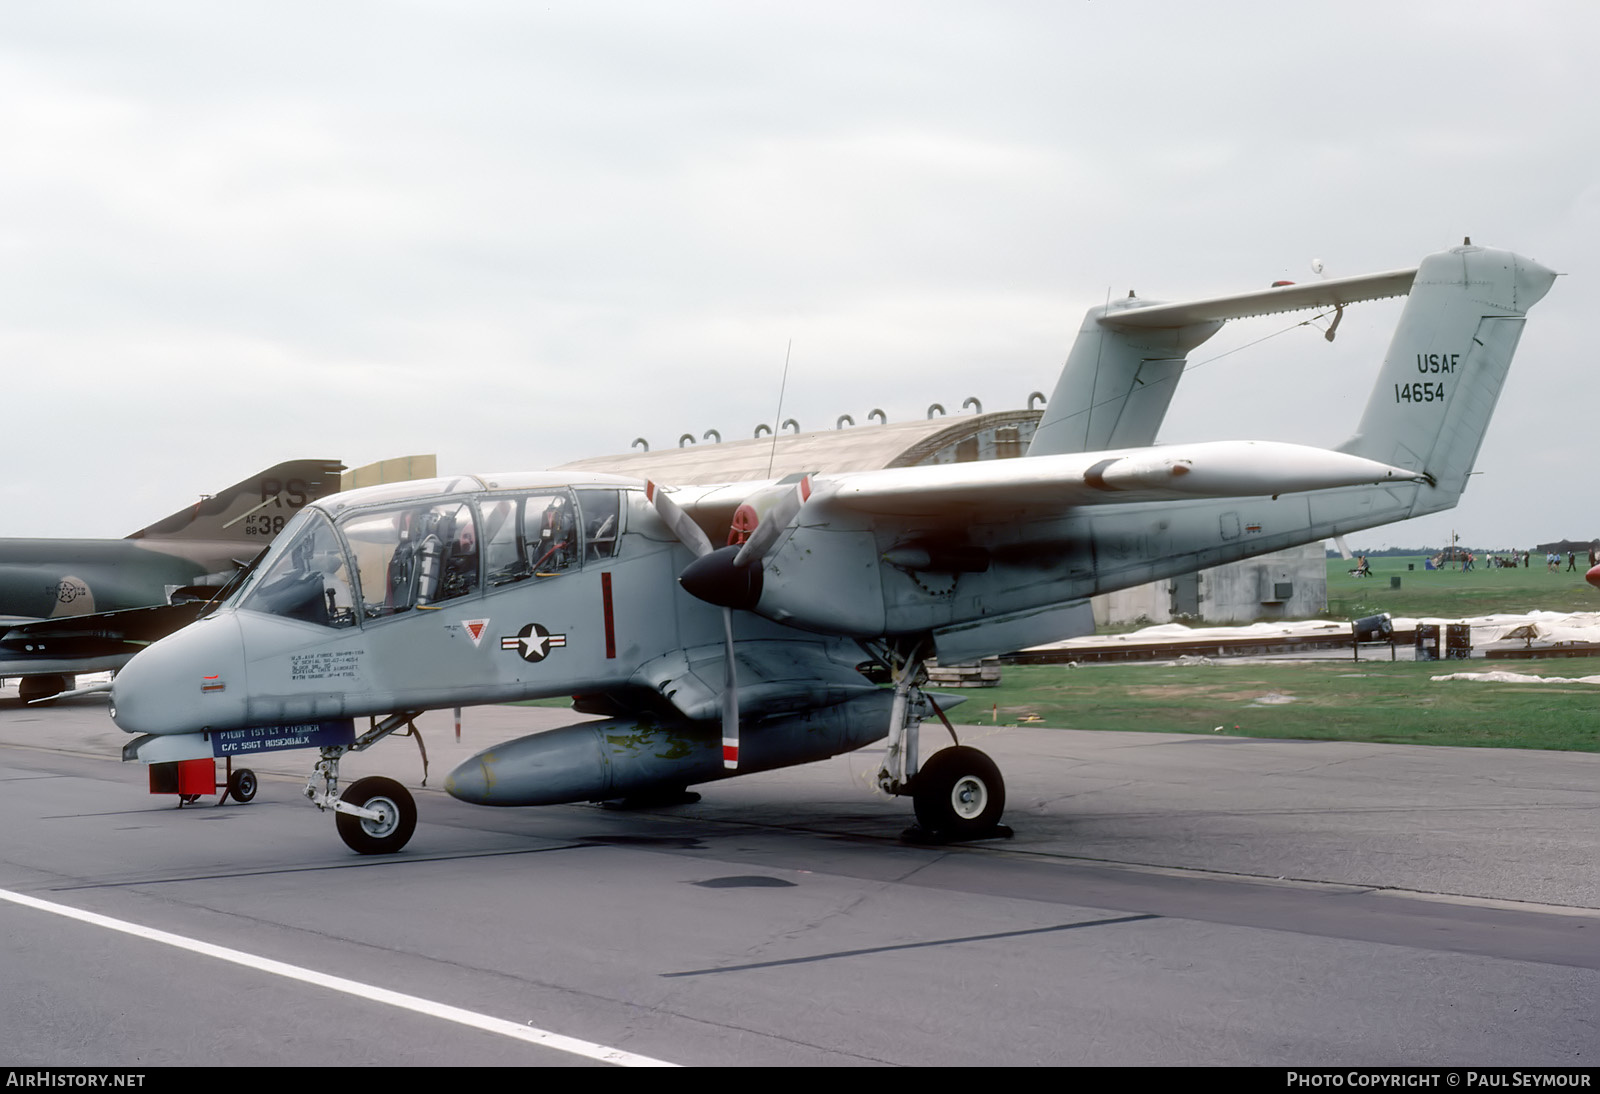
(1208, 469)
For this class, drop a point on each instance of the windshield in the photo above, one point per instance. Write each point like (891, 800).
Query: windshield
(306, 576)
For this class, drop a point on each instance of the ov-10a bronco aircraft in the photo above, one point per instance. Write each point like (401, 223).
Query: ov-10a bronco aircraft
(807, 639)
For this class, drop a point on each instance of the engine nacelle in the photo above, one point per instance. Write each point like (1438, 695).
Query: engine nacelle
(819, 579)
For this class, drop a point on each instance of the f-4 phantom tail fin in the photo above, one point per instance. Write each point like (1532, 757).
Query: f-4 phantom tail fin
(252, 511)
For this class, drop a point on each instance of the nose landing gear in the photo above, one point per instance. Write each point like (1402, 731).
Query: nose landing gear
(392, 819)
(374, 815)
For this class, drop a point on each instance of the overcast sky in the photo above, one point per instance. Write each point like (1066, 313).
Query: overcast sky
(517, 234)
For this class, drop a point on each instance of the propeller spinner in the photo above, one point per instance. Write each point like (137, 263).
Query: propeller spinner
(731, 577)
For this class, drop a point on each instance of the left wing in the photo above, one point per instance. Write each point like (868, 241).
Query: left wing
(843, 595)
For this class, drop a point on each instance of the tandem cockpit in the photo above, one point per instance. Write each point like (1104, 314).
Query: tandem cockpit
(312, 639)
(413, 547)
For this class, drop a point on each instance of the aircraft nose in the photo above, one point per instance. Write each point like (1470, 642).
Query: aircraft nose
(189, 681)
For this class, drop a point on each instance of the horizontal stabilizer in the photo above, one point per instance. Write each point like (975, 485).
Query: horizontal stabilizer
(1119, 378)
(1316, 294)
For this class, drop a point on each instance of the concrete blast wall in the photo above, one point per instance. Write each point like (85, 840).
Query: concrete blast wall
(1284, 585)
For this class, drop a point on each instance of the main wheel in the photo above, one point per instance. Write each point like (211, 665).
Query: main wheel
(32, 689)
(242, 785)
(959, 794)
(397, 816)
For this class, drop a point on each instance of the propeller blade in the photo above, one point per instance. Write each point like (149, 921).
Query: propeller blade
(690, 535)
(682, 525)
(772, 525)
(730, 697)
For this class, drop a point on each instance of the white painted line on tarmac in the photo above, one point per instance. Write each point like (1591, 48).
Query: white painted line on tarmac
(530, 1034)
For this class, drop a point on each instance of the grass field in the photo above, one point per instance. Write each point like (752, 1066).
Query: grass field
(1452, 593)
(1372, 700)
(1339, 699)
(1384, 701)
(1392, 702)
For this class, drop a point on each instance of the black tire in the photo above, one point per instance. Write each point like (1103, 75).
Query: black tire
(380, 837)
(959, 794)
(242, 785)
(33, 689)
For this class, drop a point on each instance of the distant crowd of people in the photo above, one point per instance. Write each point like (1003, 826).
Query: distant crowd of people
(1468, 560)
(1552, 561)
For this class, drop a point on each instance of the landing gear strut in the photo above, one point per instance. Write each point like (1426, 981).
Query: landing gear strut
(958, 794)
(375, 815)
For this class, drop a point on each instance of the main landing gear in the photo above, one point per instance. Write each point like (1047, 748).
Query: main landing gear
(374, 815)
(958, 794)
(41, 690)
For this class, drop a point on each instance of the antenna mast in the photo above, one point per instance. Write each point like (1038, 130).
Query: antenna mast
(784, 383)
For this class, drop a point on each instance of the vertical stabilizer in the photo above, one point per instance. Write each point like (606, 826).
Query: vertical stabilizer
(1446, 364)
(1117, 383)
(252, 511)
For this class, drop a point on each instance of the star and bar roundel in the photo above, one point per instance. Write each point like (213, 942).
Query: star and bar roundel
(533, 642)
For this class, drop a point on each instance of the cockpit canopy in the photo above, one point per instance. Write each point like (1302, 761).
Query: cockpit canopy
(383, 560)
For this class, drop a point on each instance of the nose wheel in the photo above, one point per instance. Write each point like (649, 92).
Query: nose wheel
(374, 815)
(388, 817)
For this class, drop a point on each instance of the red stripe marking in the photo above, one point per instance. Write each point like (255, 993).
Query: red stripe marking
(605, 600)
(730, 752)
